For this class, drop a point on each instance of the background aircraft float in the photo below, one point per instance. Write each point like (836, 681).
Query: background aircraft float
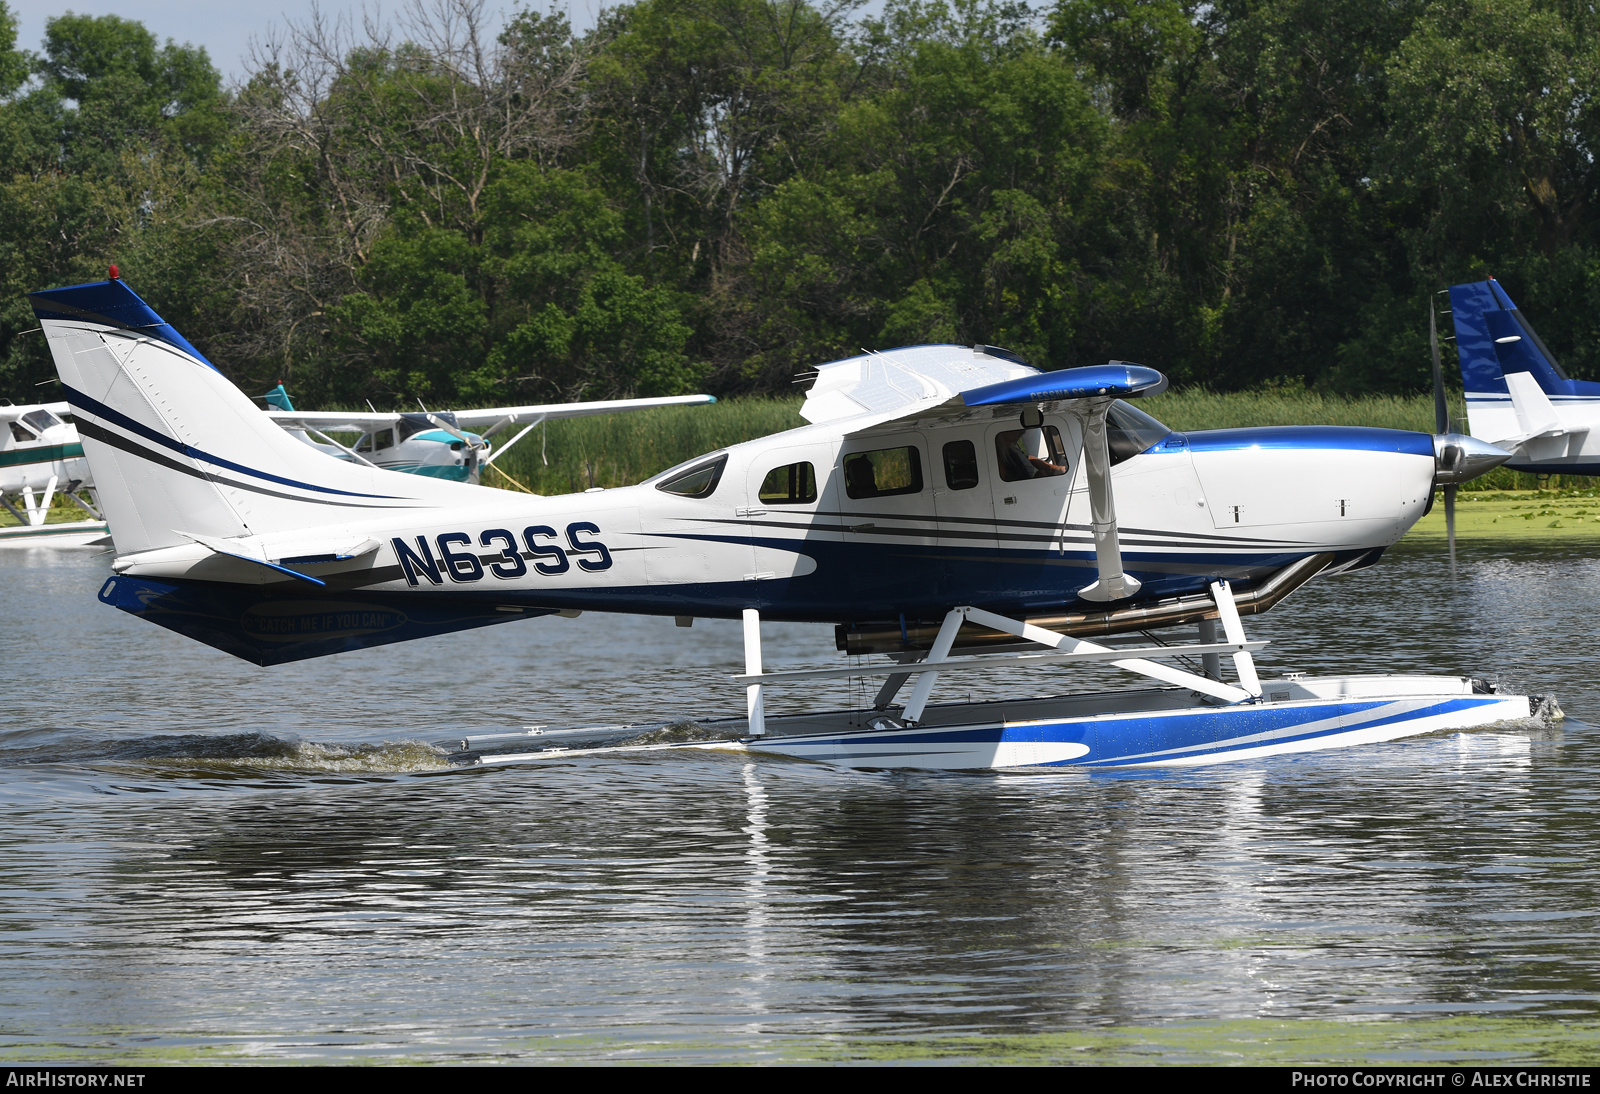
(942, 498)
(1518, 397)
(39, 457)
(443, 444)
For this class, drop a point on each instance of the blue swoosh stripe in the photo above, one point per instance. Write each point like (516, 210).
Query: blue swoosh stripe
(80, 401)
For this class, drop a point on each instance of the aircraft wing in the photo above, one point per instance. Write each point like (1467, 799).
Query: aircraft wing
(879, 387)
(347, 421)
(482, 419)
(333, 421)
(12, 413)
(953, 382)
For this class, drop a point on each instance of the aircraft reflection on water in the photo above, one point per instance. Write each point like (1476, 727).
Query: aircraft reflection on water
(942, 498)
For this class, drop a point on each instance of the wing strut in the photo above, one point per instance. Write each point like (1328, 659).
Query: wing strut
(1114, 583)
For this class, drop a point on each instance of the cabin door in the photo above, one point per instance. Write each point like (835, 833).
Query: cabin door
(1034, 472)
(790, 493)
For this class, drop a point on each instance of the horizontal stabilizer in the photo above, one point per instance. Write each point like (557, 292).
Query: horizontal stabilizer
(1535, 414)
(267, 626)
(223, 547)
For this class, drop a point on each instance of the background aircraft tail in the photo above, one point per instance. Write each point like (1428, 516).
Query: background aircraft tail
(1518, 396)
(1494, 340)
(176, 448)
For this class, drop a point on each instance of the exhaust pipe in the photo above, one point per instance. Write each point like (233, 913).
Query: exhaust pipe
(1170, 613)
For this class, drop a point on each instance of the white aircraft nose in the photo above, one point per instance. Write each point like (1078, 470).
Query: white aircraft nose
(1459, 458)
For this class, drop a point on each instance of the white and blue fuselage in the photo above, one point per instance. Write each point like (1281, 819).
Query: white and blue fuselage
(936, 486)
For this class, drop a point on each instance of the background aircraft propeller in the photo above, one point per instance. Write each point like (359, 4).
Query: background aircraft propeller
(474, 447)
(1441, 425)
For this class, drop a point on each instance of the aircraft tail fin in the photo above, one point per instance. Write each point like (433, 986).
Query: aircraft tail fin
(175, 445)
(1494, 339)
(1509, 374)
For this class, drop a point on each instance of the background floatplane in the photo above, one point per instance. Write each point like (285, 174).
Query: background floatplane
(40, 457)
(949, 509)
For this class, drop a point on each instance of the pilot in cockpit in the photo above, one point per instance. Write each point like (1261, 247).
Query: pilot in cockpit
(1030, 453)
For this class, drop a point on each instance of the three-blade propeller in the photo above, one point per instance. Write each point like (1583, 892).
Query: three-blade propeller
(1441, 424)
(1458, 458)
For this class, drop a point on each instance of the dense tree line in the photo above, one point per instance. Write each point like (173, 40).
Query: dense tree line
(720, 194)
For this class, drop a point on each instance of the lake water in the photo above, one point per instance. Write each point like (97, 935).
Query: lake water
(203, 860)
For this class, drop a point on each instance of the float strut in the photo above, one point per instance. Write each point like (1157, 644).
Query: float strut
(1228, 612)
(941, 650)
(1210, 663)
(752, 666)
(891, 687)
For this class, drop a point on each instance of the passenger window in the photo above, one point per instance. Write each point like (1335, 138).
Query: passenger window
(20, 432)
(363, 443)
(884, 473)
(699, 481)
(795, 484)
(384, 438)
(1030, 453)
(960, 465)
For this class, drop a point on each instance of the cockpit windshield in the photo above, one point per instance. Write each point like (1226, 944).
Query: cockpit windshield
(412, 424)
(1130, 431)
(41, 420)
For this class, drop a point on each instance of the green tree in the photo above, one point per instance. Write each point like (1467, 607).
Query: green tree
(102, 141)
(959, 205)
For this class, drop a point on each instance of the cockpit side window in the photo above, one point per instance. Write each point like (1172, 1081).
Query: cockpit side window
(1030, 453)
(883, 473)
(698, 481)
(41, 420)
(1130, 431)
(21, 433)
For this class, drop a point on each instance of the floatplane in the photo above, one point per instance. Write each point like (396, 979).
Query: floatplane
(40, 457)
(948, 509)
(439, 443)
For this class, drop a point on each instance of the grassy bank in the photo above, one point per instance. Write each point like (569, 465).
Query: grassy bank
(621, 449)
(1531, 516)
(62, 510)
